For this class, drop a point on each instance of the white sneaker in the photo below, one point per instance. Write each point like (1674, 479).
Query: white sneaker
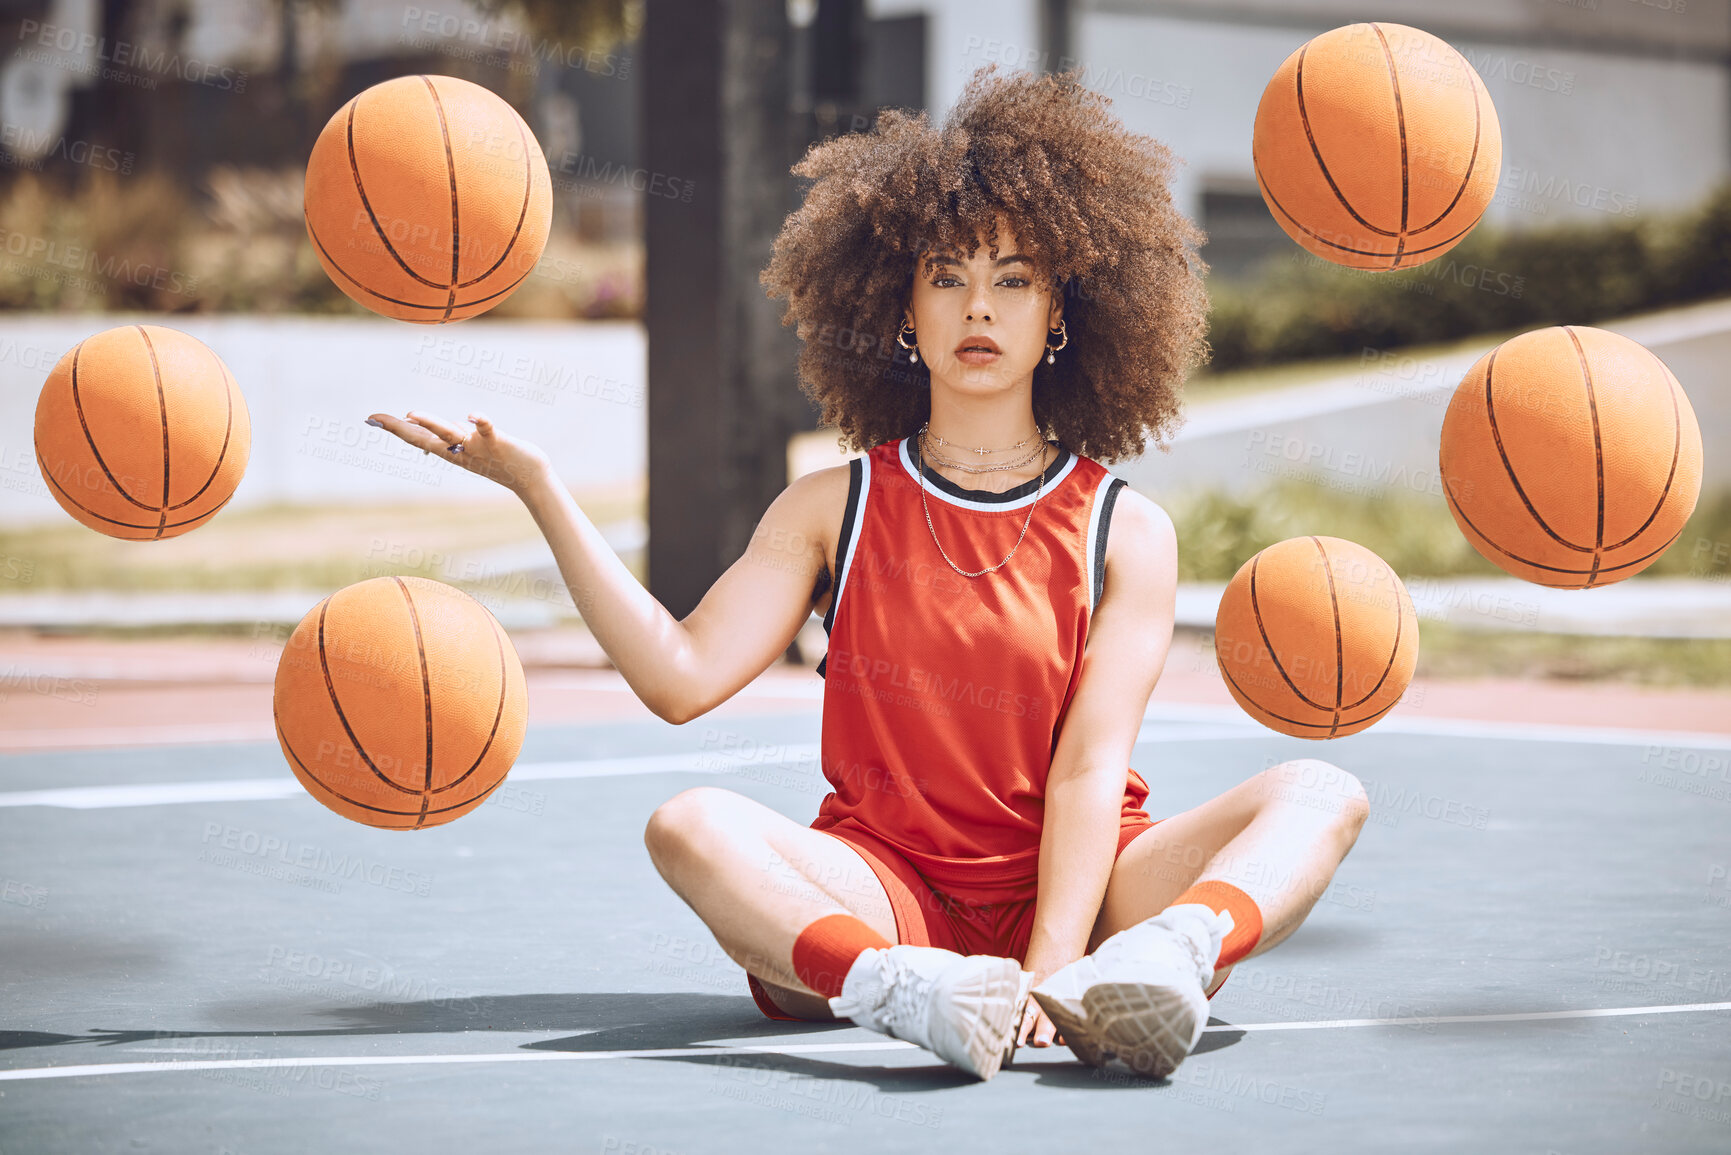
(1140, 995)
(963, 1008)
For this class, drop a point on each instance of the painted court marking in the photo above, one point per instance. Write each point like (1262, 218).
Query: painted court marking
(796, 754)
(1176, 723)
(99, 1069)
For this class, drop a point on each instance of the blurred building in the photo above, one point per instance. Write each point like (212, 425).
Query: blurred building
(1609, 108)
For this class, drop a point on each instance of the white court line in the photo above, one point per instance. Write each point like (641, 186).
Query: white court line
(798, 754)
(1454, 728)
(1164, 721)
(95, 1069)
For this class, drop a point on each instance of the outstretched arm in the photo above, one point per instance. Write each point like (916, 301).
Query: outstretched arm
(679, 668)
(1126, 649)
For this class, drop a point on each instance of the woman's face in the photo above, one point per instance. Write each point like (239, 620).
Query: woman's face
(960, 300)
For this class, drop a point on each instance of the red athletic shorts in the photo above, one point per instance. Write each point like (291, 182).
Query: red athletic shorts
(927, 917)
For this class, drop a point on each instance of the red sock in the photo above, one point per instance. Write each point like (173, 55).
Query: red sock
(826, 949)
(1246, 917)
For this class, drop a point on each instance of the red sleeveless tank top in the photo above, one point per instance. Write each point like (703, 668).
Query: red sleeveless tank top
(944, 695)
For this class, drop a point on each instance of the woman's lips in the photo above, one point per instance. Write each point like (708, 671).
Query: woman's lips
(976, 356)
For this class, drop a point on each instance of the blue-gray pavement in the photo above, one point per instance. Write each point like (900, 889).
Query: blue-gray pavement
(1642, 607)
(1495, 877)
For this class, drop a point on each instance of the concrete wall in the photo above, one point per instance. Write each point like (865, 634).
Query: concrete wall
(576, 390)
(1377, 428)
(1586, 134)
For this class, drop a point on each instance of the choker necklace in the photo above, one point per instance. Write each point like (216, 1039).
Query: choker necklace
(1029, 521)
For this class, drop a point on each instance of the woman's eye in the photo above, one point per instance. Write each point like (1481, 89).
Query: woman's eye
(944, 280)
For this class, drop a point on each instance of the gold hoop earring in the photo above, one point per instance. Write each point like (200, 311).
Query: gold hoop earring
(1063, 332)
(913, 351)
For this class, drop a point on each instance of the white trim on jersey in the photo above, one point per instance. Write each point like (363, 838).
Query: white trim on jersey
(1095, 531)
(987, 506)
(859, 516)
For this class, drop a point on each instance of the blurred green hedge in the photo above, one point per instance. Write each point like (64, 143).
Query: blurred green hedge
(1495, 280)
(1414, 533)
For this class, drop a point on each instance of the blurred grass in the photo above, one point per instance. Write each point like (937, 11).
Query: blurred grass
(238, 244)
(1295, 306)
(1413, 533)
(291, 547)
(1449, 652)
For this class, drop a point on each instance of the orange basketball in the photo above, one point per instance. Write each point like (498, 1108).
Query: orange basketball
(1376, 146)
(1570, 456)
(400, 702)
(141, 432)
(427, 199)
(1316, 637)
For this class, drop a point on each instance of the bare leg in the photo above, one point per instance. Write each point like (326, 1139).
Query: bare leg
(757, 878)
(1277, 836)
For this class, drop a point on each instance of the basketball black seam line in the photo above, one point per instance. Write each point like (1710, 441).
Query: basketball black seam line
(1472, 158)
(127, 524)
(1310, 138)
(426, 696)
(1371, 717)
(78, 407)
(360, 189)
(498, 713)
(162, 410)
(456, 236)
(1676, 452)
(1598, 452)
(1446, 242)
(522, 213)
(1448, 494)
(163, 406)
(1399, 629)
(1256, 610)
(328, 789)
(1339, 657)
(330, 688)
(1509, 466)
(1400, 123)
(313, 233)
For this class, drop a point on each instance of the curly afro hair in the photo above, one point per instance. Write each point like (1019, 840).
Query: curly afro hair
(1089, 204)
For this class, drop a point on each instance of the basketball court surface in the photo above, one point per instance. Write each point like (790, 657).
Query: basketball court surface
(1529, 950)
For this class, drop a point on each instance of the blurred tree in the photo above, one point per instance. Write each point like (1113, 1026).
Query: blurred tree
(596, 24)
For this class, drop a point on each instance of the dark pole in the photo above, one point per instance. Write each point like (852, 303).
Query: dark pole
(1055, 34)
(723, 395)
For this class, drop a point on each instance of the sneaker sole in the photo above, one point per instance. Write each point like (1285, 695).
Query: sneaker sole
(997, 990)
(1072, 1022)
(1150, 1026)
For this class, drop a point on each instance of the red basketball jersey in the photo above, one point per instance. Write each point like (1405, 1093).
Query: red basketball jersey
(943, 694)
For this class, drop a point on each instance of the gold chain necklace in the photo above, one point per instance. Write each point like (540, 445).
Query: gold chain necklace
(1030, 519)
